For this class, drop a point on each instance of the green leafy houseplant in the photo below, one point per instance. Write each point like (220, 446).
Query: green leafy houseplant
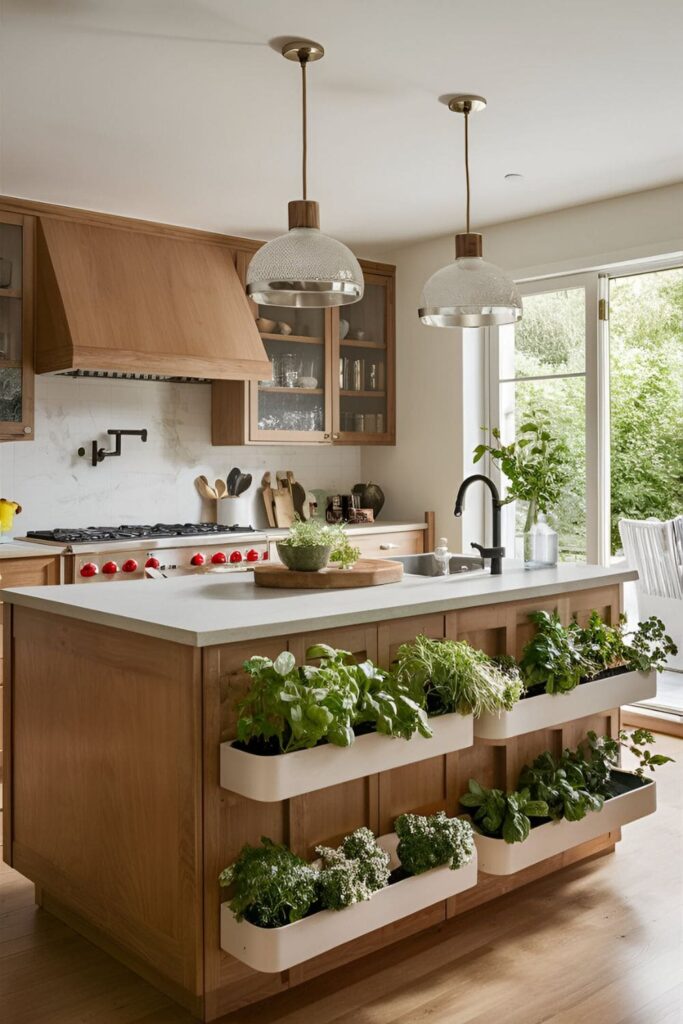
(554, 658)
(308, 546)
(568, 787)
(353, 871)
(456, 677)
(536, 464)
(289, 708)
(558, 658)
(271, 885)
(503, 815)
(426, 842)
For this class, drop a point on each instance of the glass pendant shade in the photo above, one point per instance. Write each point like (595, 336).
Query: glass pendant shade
(470, 293)
(304, 268)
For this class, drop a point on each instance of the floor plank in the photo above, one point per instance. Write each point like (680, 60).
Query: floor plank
(599, 942)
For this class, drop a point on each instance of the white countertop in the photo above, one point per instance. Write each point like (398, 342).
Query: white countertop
(205, 610)
(358, 528)
(18, 549)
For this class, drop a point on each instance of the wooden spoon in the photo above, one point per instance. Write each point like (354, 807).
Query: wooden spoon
(221, 488)
(205, 488)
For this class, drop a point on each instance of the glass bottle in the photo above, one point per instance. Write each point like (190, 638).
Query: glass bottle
(540, 540)
(443, 557)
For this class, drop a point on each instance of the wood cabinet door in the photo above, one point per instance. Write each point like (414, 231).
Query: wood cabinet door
(16, 326)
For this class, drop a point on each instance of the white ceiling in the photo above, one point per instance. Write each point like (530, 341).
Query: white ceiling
(181, 111)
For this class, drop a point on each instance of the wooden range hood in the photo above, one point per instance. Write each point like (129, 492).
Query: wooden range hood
(122, 301)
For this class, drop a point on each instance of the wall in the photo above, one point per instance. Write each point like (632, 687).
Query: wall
(440, 373)
(152, 482)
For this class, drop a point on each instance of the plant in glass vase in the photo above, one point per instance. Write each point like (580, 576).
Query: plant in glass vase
(536, 465)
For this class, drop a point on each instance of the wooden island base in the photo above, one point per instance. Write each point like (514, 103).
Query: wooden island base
(113, 802)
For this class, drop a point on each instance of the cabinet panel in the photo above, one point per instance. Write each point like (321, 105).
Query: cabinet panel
(16, 327)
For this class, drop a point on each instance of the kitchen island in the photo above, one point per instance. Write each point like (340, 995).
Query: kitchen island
(120, 701)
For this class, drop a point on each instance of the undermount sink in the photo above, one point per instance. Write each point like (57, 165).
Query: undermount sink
(427, 565)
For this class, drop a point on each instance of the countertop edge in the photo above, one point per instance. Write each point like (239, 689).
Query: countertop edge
(260, 631)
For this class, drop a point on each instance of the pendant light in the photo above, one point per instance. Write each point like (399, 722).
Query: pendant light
(469, 292)
(304, 267)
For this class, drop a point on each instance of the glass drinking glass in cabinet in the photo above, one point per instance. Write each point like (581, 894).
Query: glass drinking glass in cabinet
(10, 394)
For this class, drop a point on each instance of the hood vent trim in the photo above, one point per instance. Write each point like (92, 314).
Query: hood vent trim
(114, 375)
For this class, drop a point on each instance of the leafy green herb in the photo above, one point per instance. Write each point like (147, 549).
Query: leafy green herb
(503, 815)
(637, 743)
(312, 533)
(289, 708)
(426, 842)
(343, 552)
(563, 785)
(271, 885)
(456, 677)
(649, 646)
(353, 871)
(536, 463)
(554, 656)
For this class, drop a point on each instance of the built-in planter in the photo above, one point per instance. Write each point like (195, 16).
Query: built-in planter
(548, 710)
(496, 857)
(276, 949)
(281, 776)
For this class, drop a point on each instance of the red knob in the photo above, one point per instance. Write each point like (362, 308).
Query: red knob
(235, 556)
(151, 563)
(197, 559)
(219, 558)
(109, 568)
(130, 565)
(89, 569)
(264, 556)
(252, 555)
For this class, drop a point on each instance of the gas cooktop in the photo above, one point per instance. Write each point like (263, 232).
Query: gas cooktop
(159, 531)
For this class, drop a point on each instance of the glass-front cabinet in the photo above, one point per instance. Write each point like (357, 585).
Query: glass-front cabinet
(363, 346)
(333, 374)
(16, 327)
(295, 404)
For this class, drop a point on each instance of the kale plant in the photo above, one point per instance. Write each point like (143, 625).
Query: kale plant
(456, 677)
(271, 885)
(426, 842)
(353, 871)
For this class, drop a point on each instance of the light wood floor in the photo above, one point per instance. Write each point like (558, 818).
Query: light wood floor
(597, 944)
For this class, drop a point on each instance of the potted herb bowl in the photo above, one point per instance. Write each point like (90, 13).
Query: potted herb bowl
(312, 558)
(310, 545)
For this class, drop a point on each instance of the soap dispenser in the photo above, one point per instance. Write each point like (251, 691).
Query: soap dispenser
(443, 557)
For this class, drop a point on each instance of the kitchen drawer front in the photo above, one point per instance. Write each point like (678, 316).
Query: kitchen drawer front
(388, 545)
(384, 545)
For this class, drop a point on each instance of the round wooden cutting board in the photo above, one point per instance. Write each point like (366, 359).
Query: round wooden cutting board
(367, 572)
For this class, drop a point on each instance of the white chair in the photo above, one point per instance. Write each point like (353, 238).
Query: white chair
(655, 549)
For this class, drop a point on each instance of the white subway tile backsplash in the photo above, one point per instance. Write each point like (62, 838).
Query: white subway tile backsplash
(152, 482)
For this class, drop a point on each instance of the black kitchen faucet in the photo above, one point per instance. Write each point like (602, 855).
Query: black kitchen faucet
(496, 553)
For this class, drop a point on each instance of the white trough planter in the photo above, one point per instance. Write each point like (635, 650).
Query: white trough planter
(548, 710)
(496, 857)
(285, 775)
(276, 949)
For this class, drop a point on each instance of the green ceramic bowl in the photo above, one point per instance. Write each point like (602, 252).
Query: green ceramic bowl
(310, 559)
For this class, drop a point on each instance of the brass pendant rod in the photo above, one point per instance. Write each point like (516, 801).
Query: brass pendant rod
(303, 60)
(467, 162)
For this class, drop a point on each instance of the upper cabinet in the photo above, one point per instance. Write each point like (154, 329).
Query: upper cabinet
(16, 326)
(333, 374)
